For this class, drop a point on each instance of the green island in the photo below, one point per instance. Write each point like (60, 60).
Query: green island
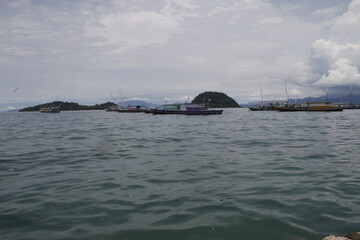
(68, 106)
(216, 100)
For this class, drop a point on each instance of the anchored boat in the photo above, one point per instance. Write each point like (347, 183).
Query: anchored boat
(268, 107)
(190, 109)
(311, 107)
(262, 106)
(131, 109)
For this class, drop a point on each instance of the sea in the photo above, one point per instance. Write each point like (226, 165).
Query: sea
(97, 175)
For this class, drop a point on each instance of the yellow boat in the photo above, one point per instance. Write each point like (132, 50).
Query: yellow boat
(311, 107)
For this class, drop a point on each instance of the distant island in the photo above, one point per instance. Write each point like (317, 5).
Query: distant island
(216, 100)
(69, 106)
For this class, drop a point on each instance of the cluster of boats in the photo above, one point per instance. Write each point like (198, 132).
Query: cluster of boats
(203, 108)
(307, 107)
(184, 109)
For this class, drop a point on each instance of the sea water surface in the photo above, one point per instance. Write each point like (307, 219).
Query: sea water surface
(90, 175)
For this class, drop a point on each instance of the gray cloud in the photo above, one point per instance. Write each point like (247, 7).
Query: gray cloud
(86, 49)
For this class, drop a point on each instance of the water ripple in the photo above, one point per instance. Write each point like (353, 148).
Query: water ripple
(98, 175)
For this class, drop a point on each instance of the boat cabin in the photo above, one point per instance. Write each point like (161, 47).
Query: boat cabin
(319, 105)
(134, 108)
(172, 107)
(196, 106)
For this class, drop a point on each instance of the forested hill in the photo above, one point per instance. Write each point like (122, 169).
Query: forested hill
(68, 106)
(216, 100)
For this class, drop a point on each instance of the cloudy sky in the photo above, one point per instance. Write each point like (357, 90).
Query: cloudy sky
(83, 50)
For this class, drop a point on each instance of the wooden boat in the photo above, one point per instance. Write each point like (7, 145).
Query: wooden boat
(311, 107)
(186, 112)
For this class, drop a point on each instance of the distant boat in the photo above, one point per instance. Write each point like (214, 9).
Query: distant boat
(351, 105)
(113, 108)
(268, 107)
(311, 107)
(190, 109)
(50, 109)
(131, 109)
(262, 106)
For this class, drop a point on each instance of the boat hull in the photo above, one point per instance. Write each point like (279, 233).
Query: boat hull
(351, 108)
(289, 109)
(187, 112)
(130, 111)
(262, 109)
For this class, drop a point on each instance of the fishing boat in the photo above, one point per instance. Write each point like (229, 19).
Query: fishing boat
(113, 108)
(311, 107)
(262, 106)
(351, 105)
(268, 107)
(131, 109)
(150, 110)
(190, 109)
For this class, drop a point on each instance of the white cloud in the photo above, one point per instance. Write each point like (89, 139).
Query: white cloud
(295, 92)
(346, 27)
(138, 99)
(326, 12)
(336, 60)
(251, 4)
(22, 52)
(18, 3)
(186, 4)
(269, 21)
(325, 53)
(342, 72)
(133, 30)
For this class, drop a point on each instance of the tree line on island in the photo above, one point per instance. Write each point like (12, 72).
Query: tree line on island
(215, 100)
(68, 106)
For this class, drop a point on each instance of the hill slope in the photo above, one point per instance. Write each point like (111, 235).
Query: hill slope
(216, 99)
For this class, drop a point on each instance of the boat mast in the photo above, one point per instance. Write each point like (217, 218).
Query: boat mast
(123, 98)
(327, 94)
(286, 92)
(261, 94)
